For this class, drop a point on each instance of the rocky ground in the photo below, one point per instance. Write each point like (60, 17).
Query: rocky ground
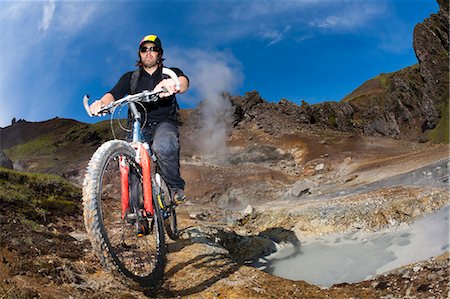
(240, 208)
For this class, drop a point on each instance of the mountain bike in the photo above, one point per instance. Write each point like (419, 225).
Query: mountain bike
(127, 202)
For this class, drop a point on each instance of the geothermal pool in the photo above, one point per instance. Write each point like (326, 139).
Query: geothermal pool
(359, 256)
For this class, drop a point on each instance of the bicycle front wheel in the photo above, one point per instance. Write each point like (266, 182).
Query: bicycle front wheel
(131, 244)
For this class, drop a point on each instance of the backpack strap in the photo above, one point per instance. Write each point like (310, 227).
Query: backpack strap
(134, 79)
(174, 112)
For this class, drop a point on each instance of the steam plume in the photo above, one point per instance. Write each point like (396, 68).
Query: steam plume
(211, 74)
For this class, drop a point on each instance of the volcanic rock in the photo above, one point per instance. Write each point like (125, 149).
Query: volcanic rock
(5, 161)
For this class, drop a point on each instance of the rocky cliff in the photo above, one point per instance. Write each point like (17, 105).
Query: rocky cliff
(413, 101)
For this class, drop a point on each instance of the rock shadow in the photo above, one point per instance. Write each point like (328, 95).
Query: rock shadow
(280, 236)
(218, 264)
(232, 251)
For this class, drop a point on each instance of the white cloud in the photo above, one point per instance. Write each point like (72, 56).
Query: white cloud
(330, 22)
(353, 16)
(236, 20)
(264, 19)
(274, 36)
(74, 17)
(12, 10)
(47, 15)
(254, 10)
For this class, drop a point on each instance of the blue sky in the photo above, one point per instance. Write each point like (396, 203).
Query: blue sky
(54, 52)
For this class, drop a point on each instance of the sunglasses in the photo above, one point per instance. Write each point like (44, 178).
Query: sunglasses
(149, 49)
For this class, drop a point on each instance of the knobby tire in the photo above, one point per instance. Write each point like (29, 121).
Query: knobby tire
(140, 259)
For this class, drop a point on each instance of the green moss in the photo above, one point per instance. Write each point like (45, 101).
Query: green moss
(51, 152)
(440, 134)
(38, 182)
(103, 129)
(332, 120)
(360, 99)
(384, 79)
(32, 225)
(40, 146)
(82, 134)
(10, 192)
(36, 197)
(59, 206)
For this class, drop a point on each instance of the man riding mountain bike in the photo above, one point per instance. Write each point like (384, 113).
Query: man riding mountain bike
(160, 127)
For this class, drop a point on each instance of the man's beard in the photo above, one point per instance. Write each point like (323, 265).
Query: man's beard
(150, 64)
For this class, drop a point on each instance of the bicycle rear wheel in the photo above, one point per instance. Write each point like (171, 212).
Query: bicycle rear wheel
(132, 245)
(170, 215)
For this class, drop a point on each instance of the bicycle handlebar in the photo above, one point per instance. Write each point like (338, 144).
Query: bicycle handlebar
(86, 105)
(144, 96)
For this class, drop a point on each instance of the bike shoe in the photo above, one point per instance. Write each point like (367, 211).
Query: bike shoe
(143, 228)
(178, 196)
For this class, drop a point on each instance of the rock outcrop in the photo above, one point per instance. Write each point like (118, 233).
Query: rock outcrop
(412, 101)
(286, 117)
(431, 42)
(5, 161)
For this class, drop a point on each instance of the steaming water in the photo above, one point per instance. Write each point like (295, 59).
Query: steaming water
(359, 256)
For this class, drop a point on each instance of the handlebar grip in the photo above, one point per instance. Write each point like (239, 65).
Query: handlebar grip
(172, 75)
(86, 105)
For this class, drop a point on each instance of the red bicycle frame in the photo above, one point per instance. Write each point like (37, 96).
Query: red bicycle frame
(144, 161)
(124, 172)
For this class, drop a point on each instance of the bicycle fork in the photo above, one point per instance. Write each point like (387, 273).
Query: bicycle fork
(124, 184)
(143, 159)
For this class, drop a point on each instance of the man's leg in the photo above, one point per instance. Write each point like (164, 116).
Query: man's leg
(167, 148)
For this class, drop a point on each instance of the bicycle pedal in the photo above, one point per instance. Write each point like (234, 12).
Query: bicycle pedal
(165, 214)
(130, 218)
(142, 232)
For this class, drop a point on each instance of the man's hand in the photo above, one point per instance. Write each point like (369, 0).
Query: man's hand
(97, 105)
(169, 85)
